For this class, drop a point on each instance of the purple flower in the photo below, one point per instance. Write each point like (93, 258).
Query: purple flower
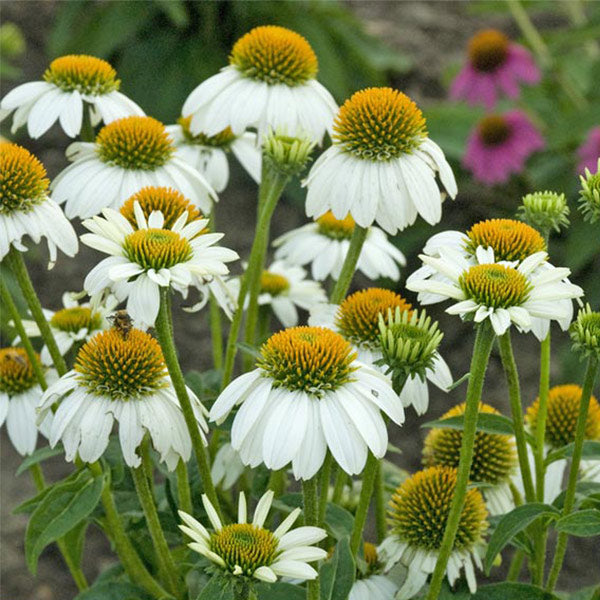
(589, 151)
(495, 66)
(499, 146)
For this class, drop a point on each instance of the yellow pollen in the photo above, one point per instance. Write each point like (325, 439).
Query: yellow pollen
(170, 202)
(510, 239)
(121, 367)
(488, 50)
(139, 143)
(16, 372)
(222, 139)
(357, 318)
(273, 283)
(86, 74)
(493, 130)
(379, 124)
(157, 248)
(311, 359)
(337, 229)
(494, 457)
(275, 55)
(495, 286)
(370, 554)
(23, 181)
(76, 318)
(245, 546)
(563, 410)
(418, 511)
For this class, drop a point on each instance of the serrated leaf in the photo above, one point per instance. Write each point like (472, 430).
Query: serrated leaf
(279, 591)
(583, 523)
(511, 523)
(39, 456)
(62, 509)
(518, 591)
(339, 521)
(338, 573)
(589, 451)
(487, 422)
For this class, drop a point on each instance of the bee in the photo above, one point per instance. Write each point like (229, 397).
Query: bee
(122, 322)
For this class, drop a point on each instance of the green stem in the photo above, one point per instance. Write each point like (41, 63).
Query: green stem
(216, 332)
(255, 264)
(324, 478)
(20, 329)
(380, 517)
(366, 491)
(514, 392)
(165, 338)
(19, 269)
(340, 482)
(87, 130)
(584, 404)
(183, 487)
(479, 361)
(311, 517)
(163, 553)
(578, 17)
(128, 556)
(277, 481)
(516, 564)
(349, 266)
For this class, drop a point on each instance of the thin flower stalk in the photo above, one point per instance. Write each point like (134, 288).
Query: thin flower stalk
(311, 517)
(360, 517)
(380, 516)
(350, 262)
(184, 493)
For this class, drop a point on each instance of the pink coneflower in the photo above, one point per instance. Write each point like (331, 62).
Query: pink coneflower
(589, 151)
(495, 66)
(499, 146)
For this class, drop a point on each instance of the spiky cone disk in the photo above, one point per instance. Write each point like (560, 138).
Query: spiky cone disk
(585, 333)
(589, 201)
(545, 211)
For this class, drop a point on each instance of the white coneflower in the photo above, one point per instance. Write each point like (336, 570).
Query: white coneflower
(227, 467)
(246, 549)
(147, 257)
(270, 83)
(119, 375)
(69, 83)
(372, 585)
(381, 166)
(72, 324)
(128, 154)
(25, 207)
(324, 244)
(502, 292)
(20, 393)
(308, 393)
(208, 154)
(417, 513)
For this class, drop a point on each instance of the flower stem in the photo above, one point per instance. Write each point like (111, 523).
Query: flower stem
(324, 477)
(87, 130)
(277, 482)
(130, 559)
(311, 517)
(183, 488)
(255, 264)
(516, 564)
(216, 328)
(19, 269)
(165, 338)
(584, 404)
(514, 392)
(18, 324)
(479, 361)
(380, 522)
(163, 554)
(349, 266)
(360, 517)
(340, 482)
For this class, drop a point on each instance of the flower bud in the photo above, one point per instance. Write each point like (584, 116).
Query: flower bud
(286, 154)
(589, 195)
(585, 333)
(545, 211)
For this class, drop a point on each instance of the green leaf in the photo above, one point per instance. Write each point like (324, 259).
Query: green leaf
(279, 591)
(338, 573)
(216, 589)
(583, 523)
(63, 508)
(589, 593)
(513, 522)
(38, 456)
(339, 521)
(74, 541)
(520, 591)
(114, 590)
(487, 422)
(590, 451)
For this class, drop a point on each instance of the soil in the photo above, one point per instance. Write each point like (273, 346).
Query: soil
(432, 33)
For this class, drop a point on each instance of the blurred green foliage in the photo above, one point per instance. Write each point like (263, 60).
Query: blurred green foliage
(12, 45)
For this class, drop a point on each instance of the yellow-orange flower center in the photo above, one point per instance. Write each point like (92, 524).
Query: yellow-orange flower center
(23, 181)
(86, 74)
(273, 283)
(139, 143)
(488, 50)
(510, 239)
(418, 511)
(170, 202)
(494, 130)
(337, 229)
(222, 139)
(157, 248)
(563, 411)
(275, 55)
(495, 286)
(379, 124)
(123, 366)
(357, 318)
(311, 359)
(16, 372)
(73, 320)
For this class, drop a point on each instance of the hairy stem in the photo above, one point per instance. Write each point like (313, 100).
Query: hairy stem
(349, 266)
(360, 517)
(311, 517)
(380, 522)
(183, 487)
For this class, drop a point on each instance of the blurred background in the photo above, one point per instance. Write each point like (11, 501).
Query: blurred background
(162, 49)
